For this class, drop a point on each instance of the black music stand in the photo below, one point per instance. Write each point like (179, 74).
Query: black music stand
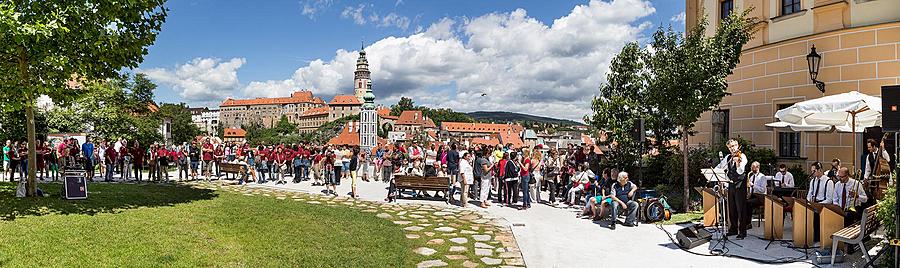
(718, 177)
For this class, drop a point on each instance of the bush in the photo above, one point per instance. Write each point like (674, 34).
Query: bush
(801, 175)
(886, 214)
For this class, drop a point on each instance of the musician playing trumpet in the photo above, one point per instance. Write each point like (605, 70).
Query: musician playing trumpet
(849, 194)
(735, 164)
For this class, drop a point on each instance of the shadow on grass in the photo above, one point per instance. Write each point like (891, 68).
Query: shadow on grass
(102, 198)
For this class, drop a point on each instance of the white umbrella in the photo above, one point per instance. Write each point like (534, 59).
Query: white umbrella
(804, 128)
(846, 112)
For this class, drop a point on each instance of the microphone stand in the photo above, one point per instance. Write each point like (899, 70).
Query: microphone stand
(723, 238)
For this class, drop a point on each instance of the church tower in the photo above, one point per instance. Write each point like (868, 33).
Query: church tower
(368, 129)
(361, 75)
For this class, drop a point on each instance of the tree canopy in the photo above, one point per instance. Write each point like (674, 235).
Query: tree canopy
(437, 115)
(49, 47)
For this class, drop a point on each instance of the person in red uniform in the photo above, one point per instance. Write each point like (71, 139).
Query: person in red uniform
(207, 158)
(162, 161)
(110, 162)
(218, 157)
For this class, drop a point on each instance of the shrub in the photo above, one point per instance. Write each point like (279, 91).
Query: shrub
(886, 214)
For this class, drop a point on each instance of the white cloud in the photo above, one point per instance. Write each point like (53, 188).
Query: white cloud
(361, 16)
(355, 13)
(201, 79)
(521, 63)
(311, 8)
(678, 18)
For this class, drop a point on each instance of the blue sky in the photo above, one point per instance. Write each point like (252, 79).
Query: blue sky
(441, 53)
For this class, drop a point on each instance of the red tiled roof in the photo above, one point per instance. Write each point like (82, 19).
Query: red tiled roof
(390, 117)
(480, 127)
(412, 117)
(348, 136)
(510, 137)
(296, 97)
(587, 139)
(429, 123)
(235, 133)
(493, 141)
(383, 111)
(316, 111)
(345, 100)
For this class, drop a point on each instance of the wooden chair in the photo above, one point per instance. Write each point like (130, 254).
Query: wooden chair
(855, 234)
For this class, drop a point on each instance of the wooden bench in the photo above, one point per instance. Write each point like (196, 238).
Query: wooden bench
(230, 168)
(440, 184)
(855, 234)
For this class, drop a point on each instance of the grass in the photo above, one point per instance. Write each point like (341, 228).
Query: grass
(692, 216)
(148, 225)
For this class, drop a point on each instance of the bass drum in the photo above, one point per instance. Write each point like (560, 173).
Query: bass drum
(653, 211)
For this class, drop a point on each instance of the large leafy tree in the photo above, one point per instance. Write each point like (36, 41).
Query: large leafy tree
(688, 73)
(48, 47)
(437, 115)
(620, 107)
(183, 128)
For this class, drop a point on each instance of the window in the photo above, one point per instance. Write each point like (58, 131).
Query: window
(726, 6)
(788, 142)
(720, 126)
(790, 6)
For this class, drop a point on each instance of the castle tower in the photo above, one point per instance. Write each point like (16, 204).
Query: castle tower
(361, 75)
(368, 129)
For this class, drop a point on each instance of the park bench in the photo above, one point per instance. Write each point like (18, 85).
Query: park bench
(856, 234)
(440, 184)
(230, 168)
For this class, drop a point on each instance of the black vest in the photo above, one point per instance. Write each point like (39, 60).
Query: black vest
(738, 180)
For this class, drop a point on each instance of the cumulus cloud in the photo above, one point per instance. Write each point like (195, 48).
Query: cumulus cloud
(361, 15)
(310, 8)
(201, 79)
(678, 18)
(522, 64)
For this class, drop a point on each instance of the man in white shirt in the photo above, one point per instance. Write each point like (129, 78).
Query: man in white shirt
(784, 178)
(870, 159)
(849, 193)
(821, 188)
(757, 183)
(735, 164)
(468, 178)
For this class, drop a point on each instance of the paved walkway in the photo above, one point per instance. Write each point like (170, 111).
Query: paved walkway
(554, 237)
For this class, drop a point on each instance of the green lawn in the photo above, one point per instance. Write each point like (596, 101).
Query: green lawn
(693, 216)
(128, 225)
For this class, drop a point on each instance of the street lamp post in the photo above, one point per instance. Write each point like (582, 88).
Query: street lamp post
(814, 60)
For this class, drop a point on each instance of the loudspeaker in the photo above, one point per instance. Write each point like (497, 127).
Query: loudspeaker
(890, 108)
(692, 237)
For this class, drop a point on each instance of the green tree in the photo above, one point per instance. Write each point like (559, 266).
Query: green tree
(687, 73)
(50, 45)
(12, 123)
(183, 128)
(285, 127)
(405, 104)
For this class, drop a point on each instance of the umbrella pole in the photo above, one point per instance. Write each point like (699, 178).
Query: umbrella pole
(817, 147)
(853, 132)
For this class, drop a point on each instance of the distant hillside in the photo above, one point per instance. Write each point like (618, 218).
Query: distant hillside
(517, 117)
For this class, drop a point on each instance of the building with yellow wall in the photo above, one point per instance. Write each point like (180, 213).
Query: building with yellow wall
(859, 41)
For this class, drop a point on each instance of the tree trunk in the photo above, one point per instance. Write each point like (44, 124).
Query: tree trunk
(32, 159)
(29, 121)
(685, 154)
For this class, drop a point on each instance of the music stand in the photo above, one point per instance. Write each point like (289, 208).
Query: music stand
(717, 175)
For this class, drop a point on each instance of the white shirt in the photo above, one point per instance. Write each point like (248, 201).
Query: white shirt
(758, 182)
(740, 168)
(786, 179)
(842, 190)
(871, 166)
(465, 169)
(821, 190)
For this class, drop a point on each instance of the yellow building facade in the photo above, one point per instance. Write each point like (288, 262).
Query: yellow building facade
(859, 41)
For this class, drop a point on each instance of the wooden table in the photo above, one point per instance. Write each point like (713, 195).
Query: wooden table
(804, 212)
(774, 217)
(710, 206)
(831, 220)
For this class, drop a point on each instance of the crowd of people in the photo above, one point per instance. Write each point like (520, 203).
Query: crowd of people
(491, 175)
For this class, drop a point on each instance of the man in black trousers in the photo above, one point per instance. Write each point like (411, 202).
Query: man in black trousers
(734, 165)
